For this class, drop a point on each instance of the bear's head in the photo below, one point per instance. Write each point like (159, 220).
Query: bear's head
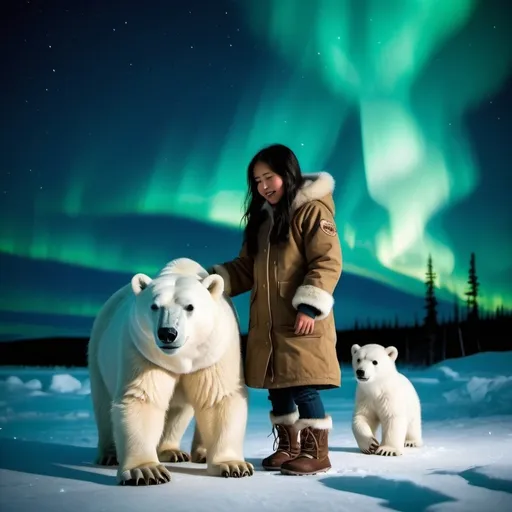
(176, 313)
(372, 362)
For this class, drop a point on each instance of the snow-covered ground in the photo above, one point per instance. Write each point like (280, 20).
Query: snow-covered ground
(48, 438)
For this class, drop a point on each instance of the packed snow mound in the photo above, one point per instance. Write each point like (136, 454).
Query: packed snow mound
(476, 385)
(65, 384)
(484, 364)
(60, 383)
(482, 396)
(15, 383)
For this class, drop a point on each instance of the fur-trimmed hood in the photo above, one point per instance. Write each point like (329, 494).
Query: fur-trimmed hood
(317, 186)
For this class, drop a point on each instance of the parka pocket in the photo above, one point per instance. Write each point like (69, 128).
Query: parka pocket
(286, 313)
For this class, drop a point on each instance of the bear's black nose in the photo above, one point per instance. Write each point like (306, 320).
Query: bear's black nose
(360, 373)
(167, 334)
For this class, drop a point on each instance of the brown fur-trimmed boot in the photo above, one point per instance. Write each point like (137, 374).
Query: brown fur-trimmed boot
(314, 453)
(287, 438)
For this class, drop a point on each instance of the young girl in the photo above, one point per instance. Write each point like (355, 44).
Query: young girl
(291, 261)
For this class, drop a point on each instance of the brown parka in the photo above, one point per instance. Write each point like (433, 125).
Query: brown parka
(305, 270)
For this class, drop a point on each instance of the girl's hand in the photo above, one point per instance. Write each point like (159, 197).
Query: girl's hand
(304, 324)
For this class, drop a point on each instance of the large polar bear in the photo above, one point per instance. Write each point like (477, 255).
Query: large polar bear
(161, 351)
(386, 397)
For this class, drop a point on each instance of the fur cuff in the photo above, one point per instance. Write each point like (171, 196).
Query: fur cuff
(287, 419)
(321, 424)
(316, 297)
(222, 272)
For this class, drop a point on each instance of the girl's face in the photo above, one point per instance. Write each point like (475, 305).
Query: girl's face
(270, 184)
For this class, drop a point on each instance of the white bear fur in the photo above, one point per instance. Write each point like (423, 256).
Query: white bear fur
(386, 398)
(145, 398)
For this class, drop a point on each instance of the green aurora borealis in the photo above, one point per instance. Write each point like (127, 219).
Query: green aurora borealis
(377, 93)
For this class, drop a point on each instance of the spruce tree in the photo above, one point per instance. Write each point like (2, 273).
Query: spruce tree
(430, 321)
(472, 293)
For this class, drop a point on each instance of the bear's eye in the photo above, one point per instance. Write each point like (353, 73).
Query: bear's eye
(189, 307)
(359, 360)
(375, 363)
(154, 307)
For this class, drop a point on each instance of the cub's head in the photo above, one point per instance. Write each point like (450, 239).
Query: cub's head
(176, 309)
(373, 362)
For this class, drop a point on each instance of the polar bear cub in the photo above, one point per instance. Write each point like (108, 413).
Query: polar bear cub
(386, 397)
(161, 351)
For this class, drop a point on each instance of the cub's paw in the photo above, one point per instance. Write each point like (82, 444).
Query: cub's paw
(234, 469)
(106, 459)
(199, 455)
(413, 444)
(368, 445)
(151, 474)
(388, 451)
(173, 456)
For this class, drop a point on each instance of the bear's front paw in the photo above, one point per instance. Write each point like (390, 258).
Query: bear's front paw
(145, 475)
(234, 469)
(199, 455)
(413, 444)
(368, 445)
(173, 456)
(107, 459)
(388, 451)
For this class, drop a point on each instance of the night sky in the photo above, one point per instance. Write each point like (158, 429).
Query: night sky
(127, 128)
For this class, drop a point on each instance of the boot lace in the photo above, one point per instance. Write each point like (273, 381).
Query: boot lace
(309, 444)
(281, 439)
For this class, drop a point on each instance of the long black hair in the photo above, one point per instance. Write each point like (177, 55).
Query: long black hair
(282, 161)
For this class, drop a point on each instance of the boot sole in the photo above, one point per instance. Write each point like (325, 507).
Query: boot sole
(267, 468)
(297, 473)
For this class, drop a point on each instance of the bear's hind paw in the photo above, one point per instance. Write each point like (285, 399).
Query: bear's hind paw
(145, 475)
(109, 459)
(388, 451)
(413, 444)
(234, 469)
(173, 456)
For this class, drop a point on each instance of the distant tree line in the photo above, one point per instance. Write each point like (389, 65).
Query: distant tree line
(423, 343)
(431, 341)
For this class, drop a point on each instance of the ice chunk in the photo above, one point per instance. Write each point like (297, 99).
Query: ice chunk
(65, 383)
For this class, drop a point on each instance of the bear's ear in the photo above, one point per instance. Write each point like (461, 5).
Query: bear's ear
(354, 349)
(392, 352)
(215, 285)
(139, 282)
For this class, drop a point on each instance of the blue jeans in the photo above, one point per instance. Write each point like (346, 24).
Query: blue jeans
(305, 398)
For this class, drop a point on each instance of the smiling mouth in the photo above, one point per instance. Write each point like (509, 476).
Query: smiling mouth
(362, 379)
(270, 194)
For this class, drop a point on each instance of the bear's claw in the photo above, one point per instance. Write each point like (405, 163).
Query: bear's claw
(173, 456)
(236, 469)
(370, 446)
(413, 444)
(388, 451)
(107, 460)
(145, 475)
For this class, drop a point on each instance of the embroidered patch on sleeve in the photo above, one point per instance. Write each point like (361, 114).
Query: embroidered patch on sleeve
(328, 227)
